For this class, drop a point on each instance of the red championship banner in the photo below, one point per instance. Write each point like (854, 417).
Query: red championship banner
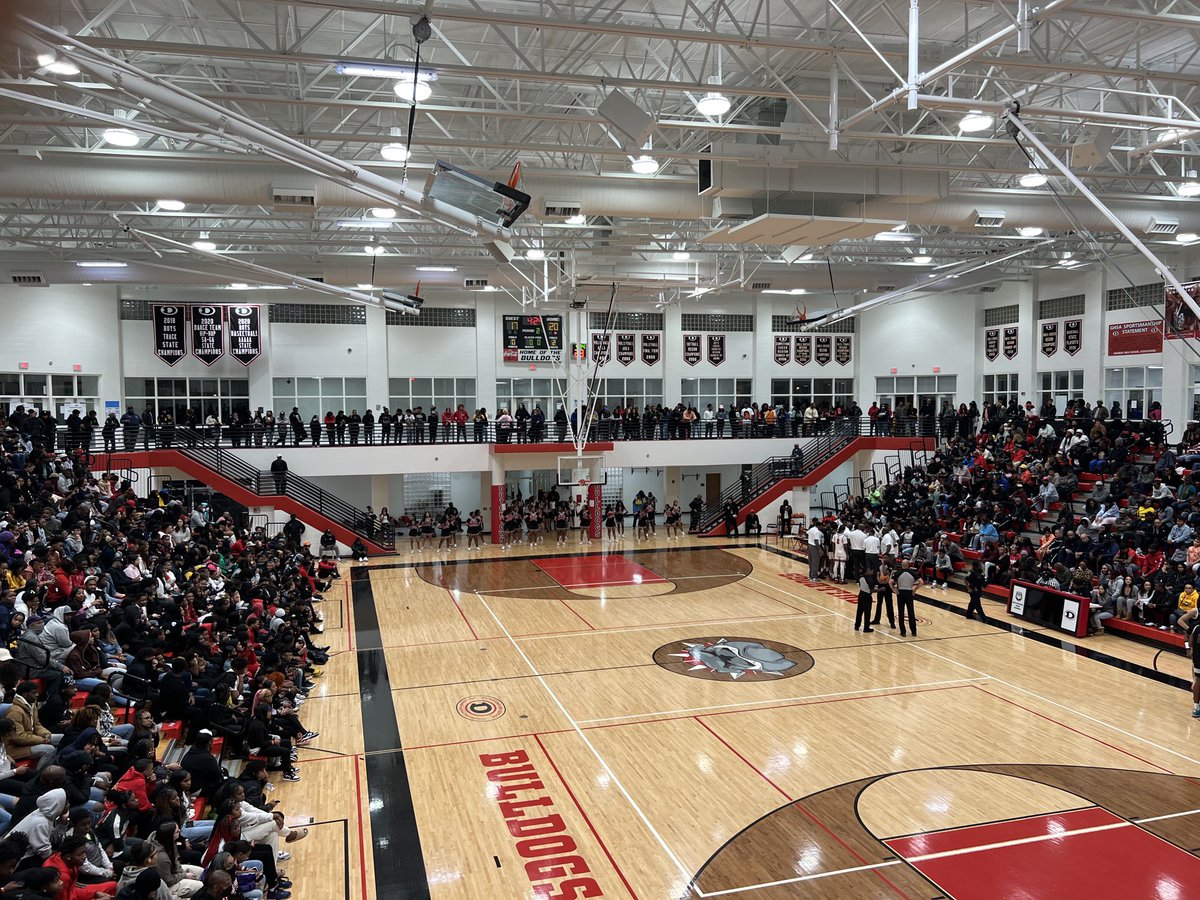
(1133, 338)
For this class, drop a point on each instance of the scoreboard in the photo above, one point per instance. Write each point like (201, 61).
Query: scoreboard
(532, 338)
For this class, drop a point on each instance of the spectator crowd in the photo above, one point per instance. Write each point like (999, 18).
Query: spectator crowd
(154, 666)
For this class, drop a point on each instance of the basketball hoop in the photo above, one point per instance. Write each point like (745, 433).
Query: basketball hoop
(583, 482)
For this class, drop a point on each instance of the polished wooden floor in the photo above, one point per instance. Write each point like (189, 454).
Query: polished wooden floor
(547, 754)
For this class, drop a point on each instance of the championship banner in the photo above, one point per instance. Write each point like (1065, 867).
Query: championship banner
(1010, 342)
(803, 349)
(1181, 321)
(783, 349)
(601, 347)
(208, 333)
(716, 349)
(1073, 336)
(626, 348)
(824, 349)
(991, 343)
(245, 336)
(168, 333)
(651, 348)
(1049, 338)
(1134, 338)
(842, 350)
(691, 349)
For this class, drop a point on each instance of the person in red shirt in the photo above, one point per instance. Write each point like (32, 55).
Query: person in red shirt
(447, 424)
(460, 423)
(67, 861)
(139, 780)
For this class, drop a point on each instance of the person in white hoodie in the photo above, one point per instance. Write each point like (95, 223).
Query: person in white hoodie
(39, 825)
(56, 636)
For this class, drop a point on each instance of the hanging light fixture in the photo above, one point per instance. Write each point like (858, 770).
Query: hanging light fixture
(644, 165)
(1032, 180)
(1189, 188)
(975, 121)
(204, 243)
(713, 103)
(413, 91)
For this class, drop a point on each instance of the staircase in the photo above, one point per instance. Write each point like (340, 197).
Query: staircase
(772, 477)
(231, 475)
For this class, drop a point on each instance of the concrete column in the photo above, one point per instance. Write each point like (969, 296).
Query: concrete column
(380, 491)
(486, 349)
(672, 478)
(672, 355)
(377, 360)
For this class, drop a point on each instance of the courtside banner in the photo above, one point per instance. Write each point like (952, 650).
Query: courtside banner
(208, 333)
(245, 334)
(169, 327)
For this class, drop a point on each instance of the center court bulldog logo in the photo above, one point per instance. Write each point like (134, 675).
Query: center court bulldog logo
(731, 659)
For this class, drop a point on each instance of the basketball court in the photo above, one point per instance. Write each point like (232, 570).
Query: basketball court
(696, 720)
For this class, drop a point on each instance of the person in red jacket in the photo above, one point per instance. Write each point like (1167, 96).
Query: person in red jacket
(60, 589)
(139, 780)
(67, 861)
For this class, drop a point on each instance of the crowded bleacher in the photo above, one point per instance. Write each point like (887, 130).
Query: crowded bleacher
(1087, 502)
(155, 666)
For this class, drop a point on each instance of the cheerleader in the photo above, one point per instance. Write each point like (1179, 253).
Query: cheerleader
(475, 531)
(610, 522)
(414, 536)
(562, 522)
(585, 524)
(427, 530)
(671, 520)
(532, 522)
(640, 530)
(447, 527)
(621, 512)
(512, 527)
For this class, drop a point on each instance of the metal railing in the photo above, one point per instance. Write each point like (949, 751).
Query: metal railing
(491, 432)
(756, 480)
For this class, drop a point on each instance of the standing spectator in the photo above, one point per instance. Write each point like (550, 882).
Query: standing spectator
(354, 423)
(130, 423)
(432, 422)
(385, 426)
(279, 470)
(975, 585)
(297, 424)
(368, 424)
(109, 433)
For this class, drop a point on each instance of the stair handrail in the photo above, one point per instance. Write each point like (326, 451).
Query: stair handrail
(206, 451)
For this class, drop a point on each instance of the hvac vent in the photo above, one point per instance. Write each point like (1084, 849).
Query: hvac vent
(760, 285)
(988, 289)
(291, 197)
(989, 218)
(733, 209)
(1162, 226)
(475, 284)
(563, 209)
(28, 279)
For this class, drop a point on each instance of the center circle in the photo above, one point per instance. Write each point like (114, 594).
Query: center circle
(733, 659)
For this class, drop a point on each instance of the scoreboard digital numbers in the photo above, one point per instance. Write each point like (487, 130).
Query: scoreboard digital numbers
(532, 339)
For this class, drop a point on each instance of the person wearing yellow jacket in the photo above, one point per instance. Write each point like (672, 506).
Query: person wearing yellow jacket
(1188, 598)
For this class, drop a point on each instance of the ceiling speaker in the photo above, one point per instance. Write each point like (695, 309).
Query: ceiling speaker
(626, 117)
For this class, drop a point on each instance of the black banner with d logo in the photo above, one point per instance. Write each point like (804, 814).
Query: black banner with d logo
(245, 334)
(208, 333)
(169, 342)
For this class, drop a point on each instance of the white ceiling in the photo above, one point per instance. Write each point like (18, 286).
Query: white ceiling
(520, 82)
